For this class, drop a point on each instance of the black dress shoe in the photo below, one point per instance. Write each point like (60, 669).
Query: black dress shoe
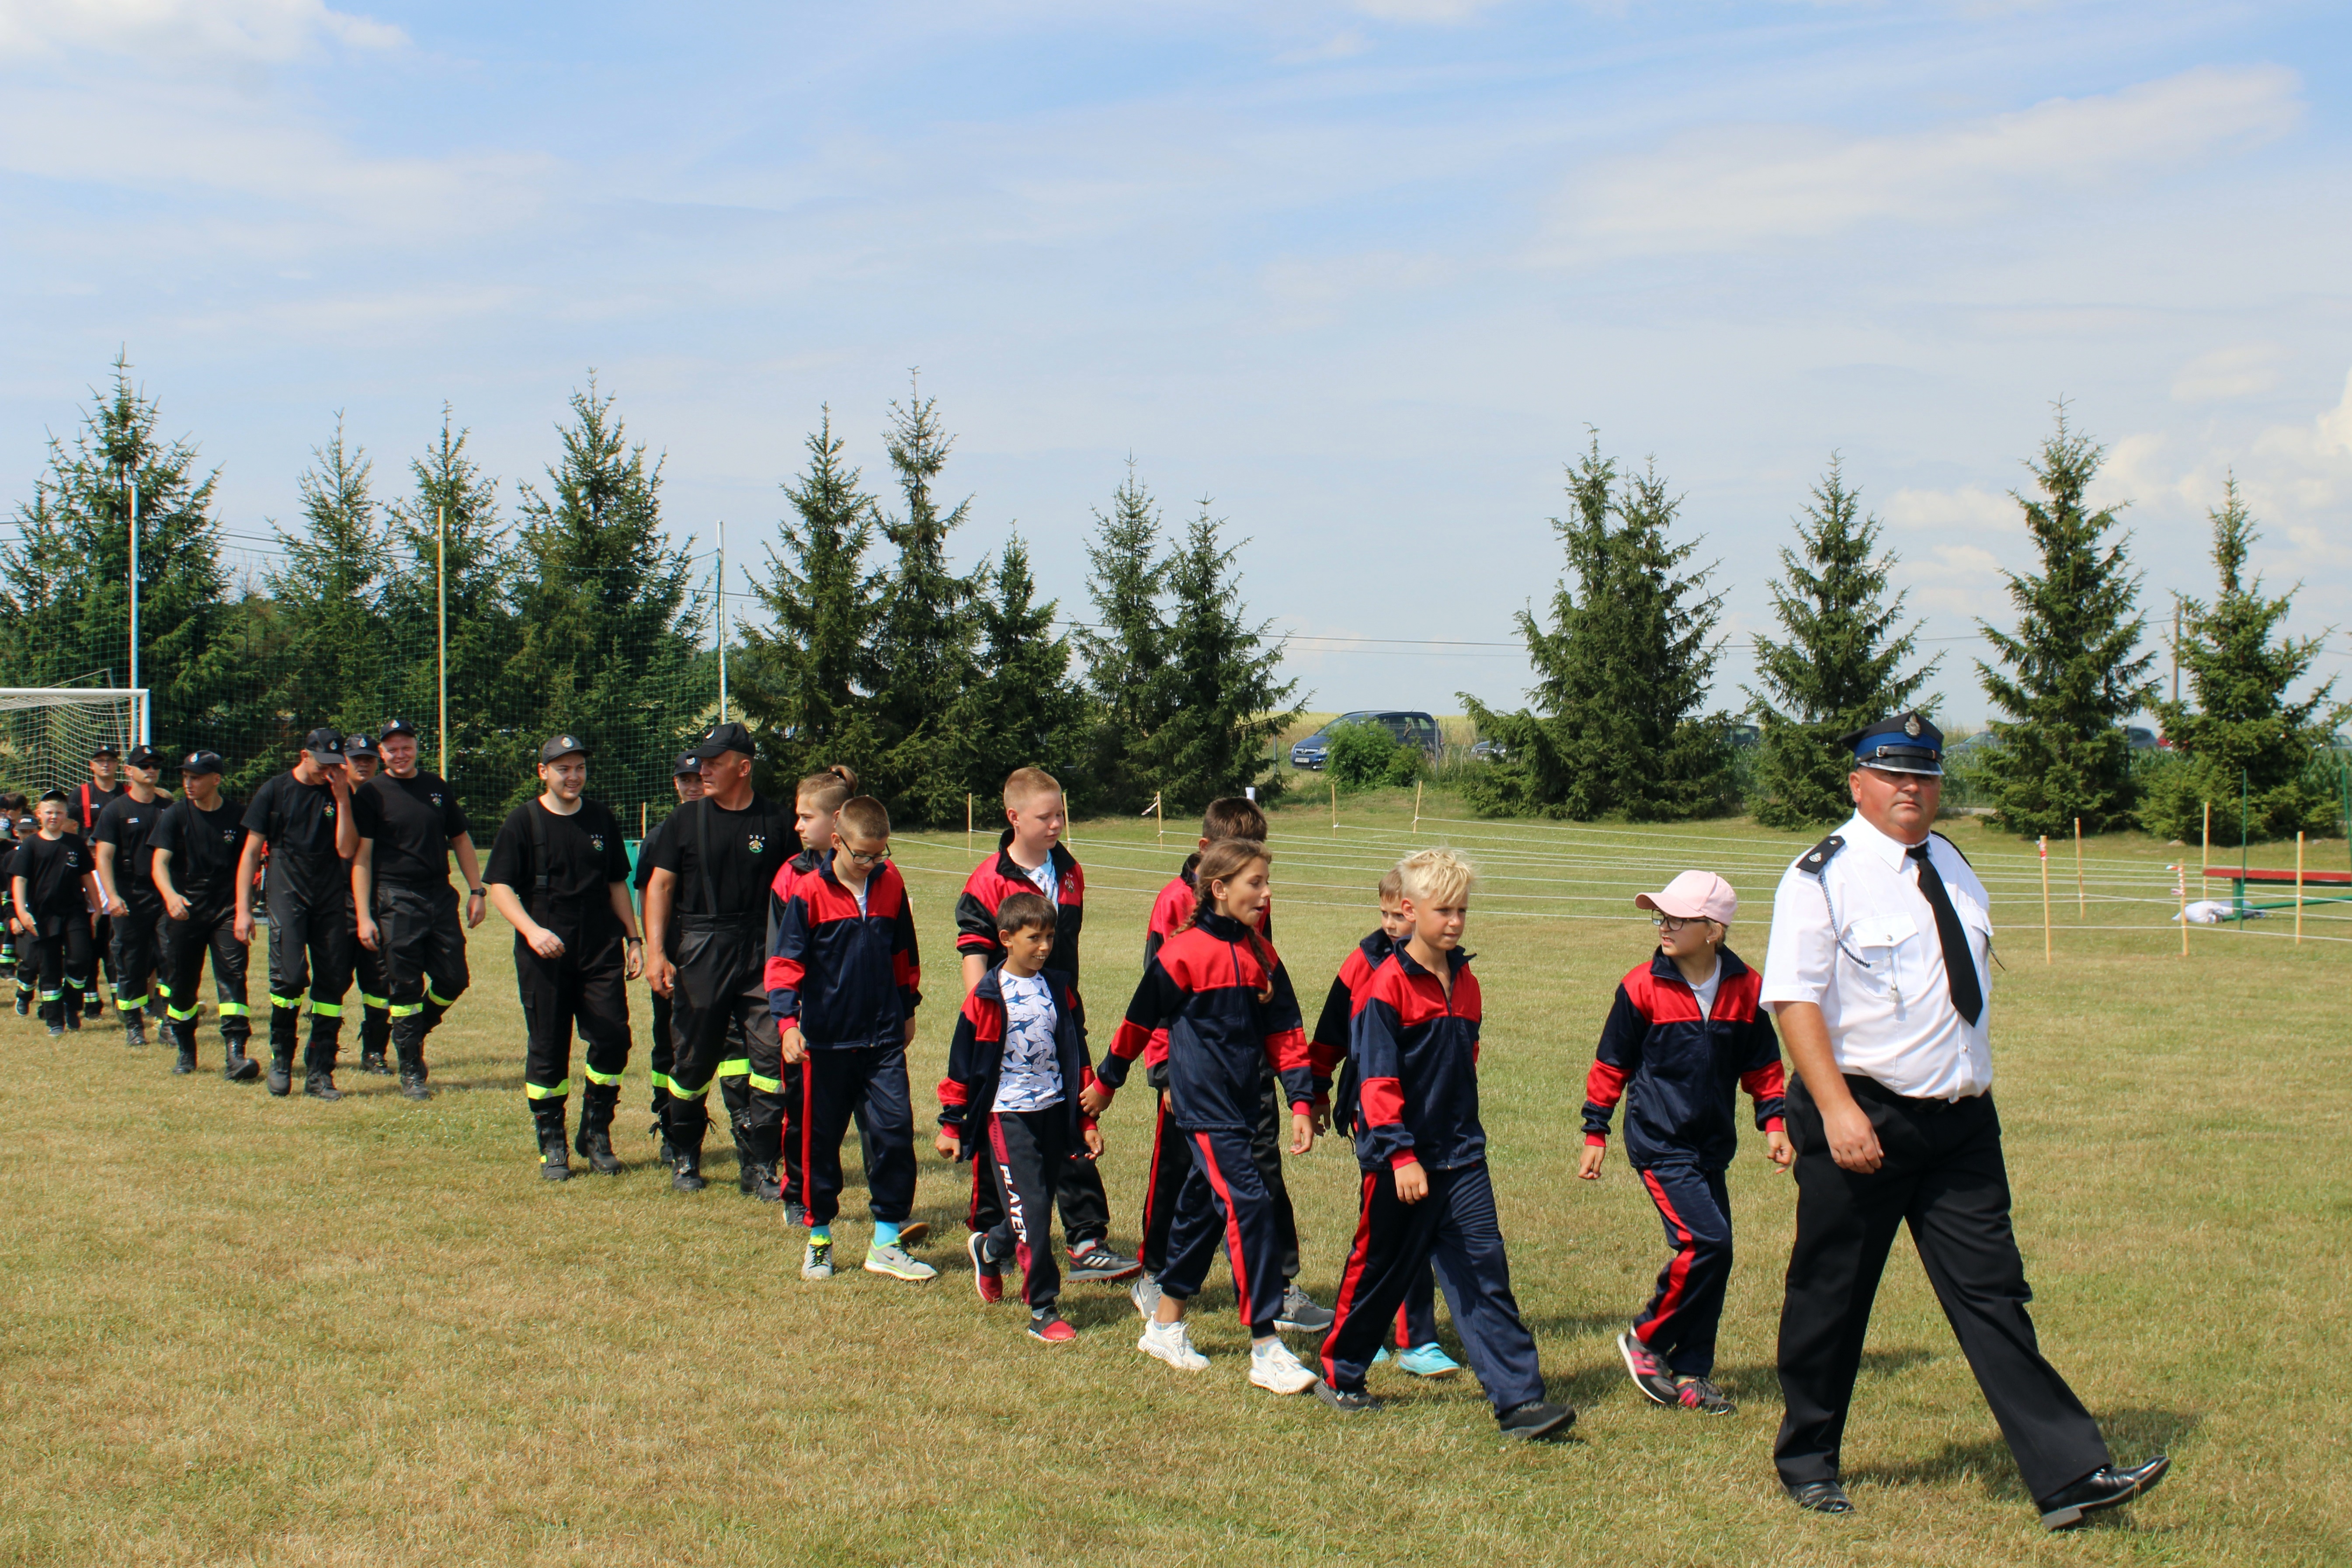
(2103, 1488)
(1821, 1497)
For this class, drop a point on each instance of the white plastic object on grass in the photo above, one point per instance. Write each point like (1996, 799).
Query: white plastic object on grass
(2213, 913)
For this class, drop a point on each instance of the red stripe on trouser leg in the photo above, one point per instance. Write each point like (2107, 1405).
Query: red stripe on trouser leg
(1151, 1176)
(808, 1124)
(1403, 1326)
(1233, 1228)
(1677, 1272)
(1352, 1279)
(1014, 1213)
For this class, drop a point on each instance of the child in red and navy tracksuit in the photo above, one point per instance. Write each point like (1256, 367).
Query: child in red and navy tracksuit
(1418, 1351)
(1422, 1151)
(1686, 1028)
(1010, 1104)
(1229, 817)
(1228, 1008)
(844, 980)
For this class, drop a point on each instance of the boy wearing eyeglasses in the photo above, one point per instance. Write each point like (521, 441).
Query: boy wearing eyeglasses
(844, 983)
(1685, 1034)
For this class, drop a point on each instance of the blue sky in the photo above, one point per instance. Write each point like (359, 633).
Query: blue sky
(1363, 273)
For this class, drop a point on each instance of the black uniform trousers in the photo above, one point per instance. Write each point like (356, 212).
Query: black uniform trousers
(1943, 1175)
(1396, 1242)
(1683, 1311)
(1225, 1200)
(310, 945)
(1026, 1154)
(1078, 1193)
(138, 940)
(868, 1082)
(422, 940)
(719, 999)
(659, 1053)
(210, 925)
(102, 957)
(367, 978)
(1171, 1162)
(584, 988)
(62, 957)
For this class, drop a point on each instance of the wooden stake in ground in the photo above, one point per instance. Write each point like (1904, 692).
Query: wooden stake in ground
(2298, 887)
(1159, 810)
(2082, 903)
(2180, 888)
(643, 807)
(1416, 804)
(2205, 853)
(1335, 807)
(2046, 951)
(967, 824)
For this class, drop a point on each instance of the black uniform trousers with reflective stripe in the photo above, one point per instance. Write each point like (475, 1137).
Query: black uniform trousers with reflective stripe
(138, 940)
(62, 957)
(421, 939)
(1171, 1162)
(1942, 1173)
(584, 988)
(310, 945)
(210, 925)
(1224, 1202)
(1025, 1152)
(719, 1000)
(868, 1082)
(1684, 1311)
(1455, 1227)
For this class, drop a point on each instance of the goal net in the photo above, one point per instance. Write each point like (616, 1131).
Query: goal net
(47, 733)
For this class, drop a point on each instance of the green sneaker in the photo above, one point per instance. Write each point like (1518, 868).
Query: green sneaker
(816, 1263)
(898, 1263)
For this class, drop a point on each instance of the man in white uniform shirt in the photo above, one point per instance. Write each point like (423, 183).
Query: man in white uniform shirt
(1878, 975)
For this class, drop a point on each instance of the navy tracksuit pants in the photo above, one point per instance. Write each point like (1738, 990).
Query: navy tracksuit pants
(1171, 1163)
(1027, 1152)
(1395, 1242)
(1225, 1199)
(870, 1083)
(1680, 1321)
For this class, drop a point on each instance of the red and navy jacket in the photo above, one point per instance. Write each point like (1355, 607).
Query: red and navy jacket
(1171, 911)
(997, 878)
(976, 1061)
(845, 978)
(1328, 1046)
(1682, 1067)
(1415, 1051)
(1227, 1018)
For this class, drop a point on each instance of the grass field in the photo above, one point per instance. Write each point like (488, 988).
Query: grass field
(241, 1329)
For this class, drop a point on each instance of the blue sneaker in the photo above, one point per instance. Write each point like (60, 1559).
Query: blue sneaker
(1428, 1360)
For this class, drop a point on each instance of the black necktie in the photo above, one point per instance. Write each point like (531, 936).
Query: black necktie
(1959, 963)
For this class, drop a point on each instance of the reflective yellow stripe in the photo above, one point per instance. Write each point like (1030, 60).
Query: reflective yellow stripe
(769, 1085)
(291, 1003)
(534, 1091)
(378, 1002)
(661, 1080)
(679, 1091)
(181, 1014)
(51, 995)
(235, 1010)
(326, 1009)
(607, 1079)
(129, 1003)
(406, 1010)
(739, 1068)
(436, 998)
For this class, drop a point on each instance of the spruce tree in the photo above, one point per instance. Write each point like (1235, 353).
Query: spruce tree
(928, 631)
(1024, 709)
(331, 662)
(610, 641)
(1126, 652)
(1622, 673)
(1841, 666)
(809, 682)
(1221, 693)
(2242, 733)
(2071, 674)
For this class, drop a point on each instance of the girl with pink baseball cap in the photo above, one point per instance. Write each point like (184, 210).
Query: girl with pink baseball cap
(1685, 1034)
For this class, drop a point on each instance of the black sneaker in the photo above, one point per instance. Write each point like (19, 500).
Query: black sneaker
(1299, 1314)
(1048, 1326)
(1536, 1421)
(281, 1076)
(1700, 1394)
(1347, 1400)
(1648, 1371)
(1096, 1260)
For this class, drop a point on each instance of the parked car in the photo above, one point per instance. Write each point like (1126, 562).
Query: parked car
(2142, 738)
(1489, 750)
(1409, 729)
(1745, 735)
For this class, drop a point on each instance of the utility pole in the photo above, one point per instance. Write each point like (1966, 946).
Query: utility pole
(2176, 650)
(132, 480)
(719, 599)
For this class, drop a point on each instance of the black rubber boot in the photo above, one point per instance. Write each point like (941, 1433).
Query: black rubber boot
(281, 1070)
(763, 1147)
(185, 1037)
(375, 1035)
(135, 1029)
(236, 1065)
(319, 1058)
(595, 1141)
(413, 1073)
(321, 1085)
(547, 1121)
(688, 1121)
(372, 1060)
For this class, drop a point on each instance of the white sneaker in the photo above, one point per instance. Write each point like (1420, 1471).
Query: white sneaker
(1275, 1368)
(1145, 1294)
(816, 1260)
(1173, 1343)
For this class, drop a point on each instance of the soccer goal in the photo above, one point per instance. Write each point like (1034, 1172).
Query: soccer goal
(47, 733)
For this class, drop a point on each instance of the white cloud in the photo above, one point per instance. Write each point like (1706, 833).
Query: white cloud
(1440, 11)
(2241, 371)
(174, 31)
(1971, 507)
(1727, 187)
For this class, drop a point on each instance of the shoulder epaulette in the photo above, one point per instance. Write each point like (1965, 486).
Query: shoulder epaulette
(1816, 860)
(1956, 851)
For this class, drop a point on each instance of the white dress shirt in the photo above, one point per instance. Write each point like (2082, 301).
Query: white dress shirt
(1869, 955)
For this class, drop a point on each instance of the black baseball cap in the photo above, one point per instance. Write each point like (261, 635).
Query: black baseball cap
(724, 738)
(61, 796)
(1907, 743)
(104, 750)
(397, 727)
(325, 746)
(358, 746)
(563, 746)
(689, 763)
(144, 757)
(201, 762)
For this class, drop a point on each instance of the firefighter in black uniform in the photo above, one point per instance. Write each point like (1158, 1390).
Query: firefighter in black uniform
(119, 854)
(560, 874)
(713, 873)
(88, 801)
(409, 825)
(196, 843)
(686, 779)
(304, 817)
(57, 898)
(361, 761)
